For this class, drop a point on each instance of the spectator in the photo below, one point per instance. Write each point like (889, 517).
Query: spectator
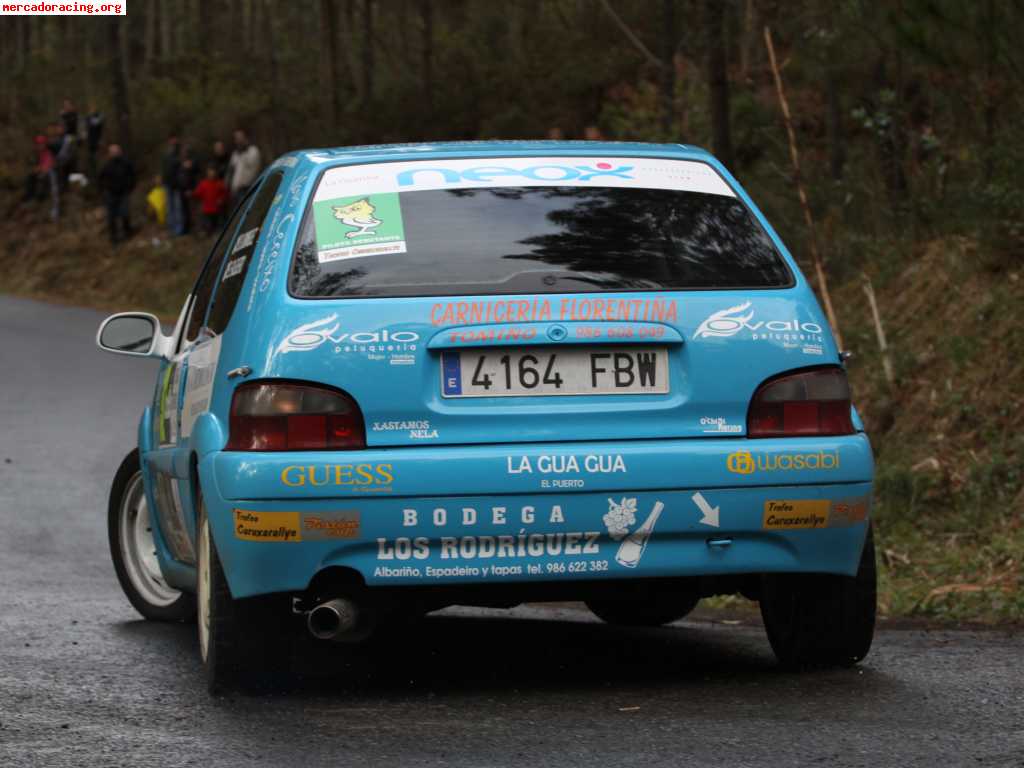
(66, 157)
(244, 167)
(60, 146)
(37, 183)
(117, 180)
(156, 201)
(170, 169)
(187, 180)
(220, 159)
(212, 194)
(93, 135)
(69, 117)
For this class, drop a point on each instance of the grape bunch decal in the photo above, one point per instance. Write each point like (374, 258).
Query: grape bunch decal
(621, 515)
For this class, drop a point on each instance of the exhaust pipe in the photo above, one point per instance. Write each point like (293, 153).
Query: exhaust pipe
(335, 620)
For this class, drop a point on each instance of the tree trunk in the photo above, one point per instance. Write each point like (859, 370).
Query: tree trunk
(83, 35)
(282, 125)
(427, 62)
(668, 69)
(247, 34)
(348, 34)
(180, 28)
(7, 33)
(259, 10)
(119, 87)
(165, 29)
(748, 40)
(367, 52)
(834, 122)
(329, 28)
(149, 47)
(32, 34)
(718, 82)
(889, 145)
(20, 26)
(205, 21)
(124, 39)
(991, 107)
(402, 14)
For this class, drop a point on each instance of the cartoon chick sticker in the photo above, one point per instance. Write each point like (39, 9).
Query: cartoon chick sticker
(359, 215)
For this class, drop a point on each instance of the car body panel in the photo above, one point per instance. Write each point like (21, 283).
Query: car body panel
(387, 354)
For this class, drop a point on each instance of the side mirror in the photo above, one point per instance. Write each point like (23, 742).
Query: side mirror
(133, 333)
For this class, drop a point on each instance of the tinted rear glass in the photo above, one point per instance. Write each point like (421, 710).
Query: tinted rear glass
(533, 238)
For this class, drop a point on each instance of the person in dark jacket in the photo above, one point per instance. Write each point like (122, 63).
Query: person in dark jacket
(69, 117)
(93, 135)
(37, 183)
(57, 143)
(220, 159)
(170, 170)
(117, 180)
(188, 177)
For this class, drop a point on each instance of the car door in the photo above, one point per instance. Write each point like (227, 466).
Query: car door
(180, 390)
(215, 302)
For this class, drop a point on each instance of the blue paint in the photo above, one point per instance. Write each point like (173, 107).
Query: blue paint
(591, 457)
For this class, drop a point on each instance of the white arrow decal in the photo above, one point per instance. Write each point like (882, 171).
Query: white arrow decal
(710, 513)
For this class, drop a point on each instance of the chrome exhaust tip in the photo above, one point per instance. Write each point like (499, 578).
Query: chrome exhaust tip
(335, 620)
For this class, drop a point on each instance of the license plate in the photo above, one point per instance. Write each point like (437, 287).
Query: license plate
(535, 371)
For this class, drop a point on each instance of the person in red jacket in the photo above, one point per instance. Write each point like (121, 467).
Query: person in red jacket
(212, 194)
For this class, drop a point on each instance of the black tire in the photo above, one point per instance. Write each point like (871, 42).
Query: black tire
(128, 525)
(818, 620)
(247, 644)
(652, 610)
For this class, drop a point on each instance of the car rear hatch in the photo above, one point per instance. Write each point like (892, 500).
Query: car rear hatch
(542, 299)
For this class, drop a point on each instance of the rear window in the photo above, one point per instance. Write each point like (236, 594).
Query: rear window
(529, 225)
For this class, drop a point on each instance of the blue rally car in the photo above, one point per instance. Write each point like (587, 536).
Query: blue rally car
(487, 373)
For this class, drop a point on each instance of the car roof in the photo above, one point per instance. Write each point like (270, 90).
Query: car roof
(326, 157)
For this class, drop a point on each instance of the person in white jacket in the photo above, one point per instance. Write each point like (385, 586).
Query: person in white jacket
(244, 166)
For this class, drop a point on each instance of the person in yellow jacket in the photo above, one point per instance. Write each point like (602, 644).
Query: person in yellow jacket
(156, 202)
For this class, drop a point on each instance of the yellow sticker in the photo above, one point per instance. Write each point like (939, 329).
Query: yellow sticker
(743, 462)
(849, 512)
(792, 515)
(267, 526)
(332, 525)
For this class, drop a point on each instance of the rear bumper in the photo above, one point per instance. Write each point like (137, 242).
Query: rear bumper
(485, 514)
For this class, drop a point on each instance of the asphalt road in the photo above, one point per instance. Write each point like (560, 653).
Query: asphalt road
(85, 682)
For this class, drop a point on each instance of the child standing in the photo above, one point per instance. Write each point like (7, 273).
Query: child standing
(212, 194)
(156, 201)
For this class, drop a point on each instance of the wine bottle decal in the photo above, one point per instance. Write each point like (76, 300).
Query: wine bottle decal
(633, 546)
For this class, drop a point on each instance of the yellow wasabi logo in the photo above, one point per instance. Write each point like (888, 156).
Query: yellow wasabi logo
(740, 462)
(745, 463)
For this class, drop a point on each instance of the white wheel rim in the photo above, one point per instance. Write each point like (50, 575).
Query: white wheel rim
(203, 564)
(138, 549)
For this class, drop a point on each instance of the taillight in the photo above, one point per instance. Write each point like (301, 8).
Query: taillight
(815, 402)
(294, 417)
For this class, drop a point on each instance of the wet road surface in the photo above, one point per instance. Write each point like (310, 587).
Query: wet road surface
(85, 682)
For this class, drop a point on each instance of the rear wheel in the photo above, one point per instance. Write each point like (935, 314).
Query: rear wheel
(816, 620)
(651, 610)
(133, 549)
(243, 644)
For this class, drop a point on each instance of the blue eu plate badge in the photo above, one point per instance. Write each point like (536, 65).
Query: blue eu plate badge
(451, 374)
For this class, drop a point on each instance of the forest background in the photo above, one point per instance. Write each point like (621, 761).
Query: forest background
(906, 114)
